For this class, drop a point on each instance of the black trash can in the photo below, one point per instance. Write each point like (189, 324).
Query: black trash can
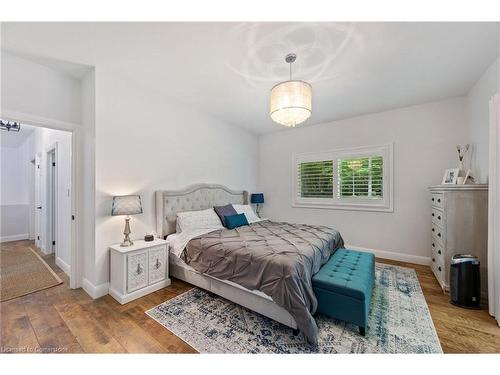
(465, 282)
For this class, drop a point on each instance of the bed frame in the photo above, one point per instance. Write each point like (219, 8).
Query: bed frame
(200, 197)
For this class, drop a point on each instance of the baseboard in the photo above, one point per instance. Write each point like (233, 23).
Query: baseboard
(63, 265)
(95, 291)
(417, 259)
(17, 237)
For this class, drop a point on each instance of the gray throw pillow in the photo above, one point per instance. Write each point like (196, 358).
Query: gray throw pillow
(222, 211)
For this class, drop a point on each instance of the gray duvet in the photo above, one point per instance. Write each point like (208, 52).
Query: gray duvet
(278, 259)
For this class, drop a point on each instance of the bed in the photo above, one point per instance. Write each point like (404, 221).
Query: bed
(206, 196)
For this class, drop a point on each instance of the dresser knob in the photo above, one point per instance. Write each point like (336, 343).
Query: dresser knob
(432, 199)
(433, 245)
(433, 230)
(439, 217)
(439, 234)
(432, 214)
(139, 269)
(439, 200)
(439, 268)
(433, 259)
(439, 252)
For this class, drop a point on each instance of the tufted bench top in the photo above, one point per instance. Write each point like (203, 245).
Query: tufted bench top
(347, 272)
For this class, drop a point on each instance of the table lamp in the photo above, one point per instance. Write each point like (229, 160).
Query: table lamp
(258, 200)
(126, 205)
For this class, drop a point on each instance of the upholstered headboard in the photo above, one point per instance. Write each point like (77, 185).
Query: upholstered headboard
(195, 197)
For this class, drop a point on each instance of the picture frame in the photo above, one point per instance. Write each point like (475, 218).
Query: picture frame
(450, 176)
(467, 175)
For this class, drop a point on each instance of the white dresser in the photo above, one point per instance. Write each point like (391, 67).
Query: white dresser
(138, 270)
(459, 215)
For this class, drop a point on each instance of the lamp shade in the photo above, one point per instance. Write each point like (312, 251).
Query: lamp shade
(257, 198)
(291, 102)
(126, 205)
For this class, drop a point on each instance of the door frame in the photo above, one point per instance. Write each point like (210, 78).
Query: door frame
(51, 203)
(37, 200)
(77, 259)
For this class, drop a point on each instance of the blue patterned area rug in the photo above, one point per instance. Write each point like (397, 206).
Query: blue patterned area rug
(399, 322)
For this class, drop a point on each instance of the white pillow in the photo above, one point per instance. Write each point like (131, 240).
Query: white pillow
(248, 211)
(203, 219)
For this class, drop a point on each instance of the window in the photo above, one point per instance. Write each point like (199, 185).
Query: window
(358, 179)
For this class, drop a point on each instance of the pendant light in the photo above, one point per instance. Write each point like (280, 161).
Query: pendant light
(291, 100)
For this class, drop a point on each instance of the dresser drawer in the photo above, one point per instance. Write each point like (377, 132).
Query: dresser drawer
(438, 270)
(437, 216)
(157, 264)
(137, 271)
(438, 233)
(437, 252)
(437, 200)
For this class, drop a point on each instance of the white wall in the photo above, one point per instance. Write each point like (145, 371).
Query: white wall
(14, 194)
(424, 138)
(38, 90)
(478, 119)
(147, 142)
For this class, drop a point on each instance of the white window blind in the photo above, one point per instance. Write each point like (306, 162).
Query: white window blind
(315, 179)
(361, 178)
(357, 178)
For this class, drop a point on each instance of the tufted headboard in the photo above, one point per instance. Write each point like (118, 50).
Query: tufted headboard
(195, 197)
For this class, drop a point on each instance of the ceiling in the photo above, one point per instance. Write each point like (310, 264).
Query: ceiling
(227, 69)
(15, 139)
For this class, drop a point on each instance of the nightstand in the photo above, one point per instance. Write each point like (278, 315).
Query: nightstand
(138, 270)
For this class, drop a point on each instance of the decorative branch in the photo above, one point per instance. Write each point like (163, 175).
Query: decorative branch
(462, 150)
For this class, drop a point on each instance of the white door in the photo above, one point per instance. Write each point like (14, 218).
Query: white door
(38, 201)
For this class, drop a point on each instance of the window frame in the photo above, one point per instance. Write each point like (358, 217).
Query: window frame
(384, 204)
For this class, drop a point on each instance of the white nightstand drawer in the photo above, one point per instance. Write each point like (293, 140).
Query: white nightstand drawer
(137, 271)
(157, 264)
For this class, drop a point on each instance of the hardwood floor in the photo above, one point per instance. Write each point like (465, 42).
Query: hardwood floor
(64, 320)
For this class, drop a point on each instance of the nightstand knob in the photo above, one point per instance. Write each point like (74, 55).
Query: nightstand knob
(140, 269)
(157, 264)
(433, 214)
(439, 200)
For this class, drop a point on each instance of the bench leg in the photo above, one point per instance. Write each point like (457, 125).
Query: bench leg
(362, 331)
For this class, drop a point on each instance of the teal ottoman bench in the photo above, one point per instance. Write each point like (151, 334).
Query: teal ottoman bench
(344, 285)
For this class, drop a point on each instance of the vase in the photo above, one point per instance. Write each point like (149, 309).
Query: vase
(461, 170)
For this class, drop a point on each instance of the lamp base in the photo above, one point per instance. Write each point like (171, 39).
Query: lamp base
(126, 240)
(257, 209)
